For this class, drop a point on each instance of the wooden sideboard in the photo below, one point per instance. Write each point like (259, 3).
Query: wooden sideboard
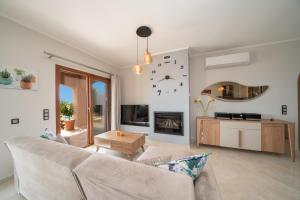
(263, 135)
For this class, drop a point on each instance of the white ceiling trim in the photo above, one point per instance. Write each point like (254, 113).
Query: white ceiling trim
(246, 47)
(169, 51)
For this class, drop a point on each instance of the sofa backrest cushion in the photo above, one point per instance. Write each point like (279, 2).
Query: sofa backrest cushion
(44, 168)
(105, 177)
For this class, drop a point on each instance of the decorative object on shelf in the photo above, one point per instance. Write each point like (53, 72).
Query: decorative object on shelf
(17, 78)
(119, 133)
(204, 107)
(26, 82)
(232, 91)
(5, 77)
(142, 31)
(67, 111)
(19, 73)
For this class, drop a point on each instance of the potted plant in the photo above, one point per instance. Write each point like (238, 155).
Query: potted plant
(204, 108)
(5, 77)
(19, 73)
(67, 110)
(26, 82)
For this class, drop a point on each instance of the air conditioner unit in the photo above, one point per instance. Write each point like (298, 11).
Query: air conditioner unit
(229, 60)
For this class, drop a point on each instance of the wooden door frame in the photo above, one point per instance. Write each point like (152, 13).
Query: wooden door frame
(298, 86)
(89, 78)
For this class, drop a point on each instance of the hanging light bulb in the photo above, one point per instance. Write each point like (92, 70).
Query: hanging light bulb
(137, 68)
(147, 56)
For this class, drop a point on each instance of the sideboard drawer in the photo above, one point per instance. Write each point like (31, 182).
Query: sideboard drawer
(240, 124)
(250, 139)
(229, 137)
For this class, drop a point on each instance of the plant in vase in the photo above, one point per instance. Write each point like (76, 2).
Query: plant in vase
(19, 73)
(26, 82)
(204, 107)
(5, 77)
(67, 110)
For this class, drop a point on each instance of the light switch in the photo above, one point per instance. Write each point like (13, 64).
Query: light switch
(45, 114)
(15, 121)
(284, 109)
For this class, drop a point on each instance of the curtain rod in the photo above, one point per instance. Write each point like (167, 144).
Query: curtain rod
(50, 55)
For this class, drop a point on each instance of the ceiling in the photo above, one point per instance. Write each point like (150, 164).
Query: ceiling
(106, 29)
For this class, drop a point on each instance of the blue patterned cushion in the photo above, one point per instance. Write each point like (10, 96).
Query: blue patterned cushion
(191, 166)
(48, 134)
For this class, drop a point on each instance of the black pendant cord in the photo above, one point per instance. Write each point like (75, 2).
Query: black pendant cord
(137, 50)
(147, 44)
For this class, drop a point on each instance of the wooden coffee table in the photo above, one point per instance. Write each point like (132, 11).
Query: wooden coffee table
(128, 143)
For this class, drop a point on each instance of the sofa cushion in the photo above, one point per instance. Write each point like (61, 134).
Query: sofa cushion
(106, 177)
(153, 161)
(44, 168)
(206, 187)
(153, 152)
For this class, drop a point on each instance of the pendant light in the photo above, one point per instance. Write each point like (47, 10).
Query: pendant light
(147, 56)
(137, 68)
(142, 31)
(145, 32)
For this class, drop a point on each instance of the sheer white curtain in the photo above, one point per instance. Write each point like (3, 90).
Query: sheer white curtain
(115, 102)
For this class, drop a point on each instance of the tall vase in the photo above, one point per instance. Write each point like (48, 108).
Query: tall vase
(205, 113)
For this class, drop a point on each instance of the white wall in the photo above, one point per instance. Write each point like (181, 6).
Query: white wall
(277, 65)
(134, 88)
(24, 48)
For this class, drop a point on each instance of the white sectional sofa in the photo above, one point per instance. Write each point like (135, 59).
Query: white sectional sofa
(47, 170)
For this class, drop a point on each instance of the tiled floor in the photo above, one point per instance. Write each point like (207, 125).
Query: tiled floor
(240, 174)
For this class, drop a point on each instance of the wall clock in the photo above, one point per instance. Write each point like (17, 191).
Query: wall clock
(167, 76)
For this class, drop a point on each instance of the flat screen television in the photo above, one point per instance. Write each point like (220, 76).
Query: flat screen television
(137, 115)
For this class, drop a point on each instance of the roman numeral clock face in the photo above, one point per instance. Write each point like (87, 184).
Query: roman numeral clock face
(168, 76)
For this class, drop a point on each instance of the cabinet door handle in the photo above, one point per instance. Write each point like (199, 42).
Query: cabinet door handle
(240, 138)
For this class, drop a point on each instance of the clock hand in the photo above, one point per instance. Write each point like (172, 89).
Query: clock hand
(161, 80)
(167, 77)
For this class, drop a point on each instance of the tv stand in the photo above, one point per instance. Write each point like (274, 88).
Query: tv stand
(263, 135)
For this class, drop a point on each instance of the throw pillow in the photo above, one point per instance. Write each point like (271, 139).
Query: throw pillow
(49, 135)
(191, 165)
(152, 161)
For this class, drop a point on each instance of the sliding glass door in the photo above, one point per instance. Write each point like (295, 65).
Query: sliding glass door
(100, 106)
(82, 105)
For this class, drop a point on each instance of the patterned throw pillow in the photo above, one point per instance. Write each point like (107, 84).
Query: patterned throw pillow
(191, 165)
(49, 135)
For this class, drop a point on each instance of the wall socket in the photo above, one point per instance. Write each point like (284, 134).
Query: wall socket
(15, 121)
(284, 109)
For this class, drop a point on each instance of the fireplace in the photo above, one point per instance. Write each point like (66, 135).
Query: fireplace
(168, 123)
